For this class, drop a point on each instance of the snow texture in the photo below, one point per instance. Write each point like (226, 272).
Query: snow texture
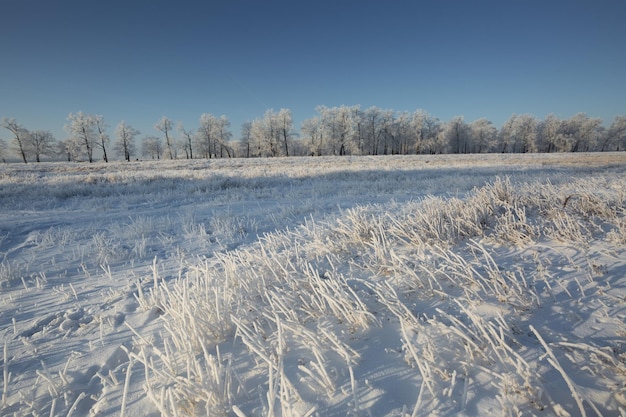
(364, 286)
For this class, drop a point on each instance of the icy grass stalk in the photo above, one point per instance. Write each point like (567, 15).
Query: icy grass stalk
(48, 378)
(126, 384)
(424, 368)
(552, 360)
(6, 376)
(75, 404)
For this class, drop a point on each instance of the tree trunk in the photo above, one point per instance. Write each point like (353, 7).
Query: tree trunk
(285, 139)
(104, 151)
(23, 154)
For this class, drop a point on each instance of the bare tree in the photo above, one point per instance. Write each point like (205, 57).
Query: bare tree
(125, 143)
(165, 125)
(42, 143)
(20, 136)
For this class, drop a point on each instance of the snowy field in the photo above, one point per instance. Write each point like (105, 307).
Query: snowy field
(364, 286)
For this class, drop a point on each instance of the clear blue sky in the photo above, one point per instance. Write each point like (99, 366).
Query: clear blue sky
(137, 60)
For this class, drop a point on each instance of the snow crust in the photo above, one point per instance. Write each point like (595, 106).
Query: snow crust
(371, 286)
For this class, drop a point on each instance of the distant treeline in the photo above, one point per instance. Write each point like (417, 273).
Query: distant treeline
(344, 130)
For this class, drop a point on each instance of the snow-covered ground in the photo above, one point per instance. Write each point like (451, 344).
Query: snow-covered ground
(374, 286)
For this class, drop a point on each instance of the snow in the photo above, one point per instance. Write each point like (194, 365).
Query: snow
(371, 286)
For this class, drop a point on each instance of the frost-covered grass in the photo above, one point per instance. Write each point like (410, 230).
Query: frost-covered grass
(395, 286)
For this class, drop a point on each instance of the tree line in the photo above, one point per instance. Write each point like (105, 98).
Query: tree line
(343, 130)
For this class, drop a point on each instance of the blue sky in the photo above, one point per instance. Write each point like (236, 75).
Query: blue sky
(137, 60)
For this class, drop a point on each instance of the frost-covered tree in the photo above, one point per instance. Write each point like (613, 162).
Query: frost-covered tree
(186, 140)
(585, 132)
(418, 119)
(284, 128)
(268, 135)
(20, 136)
(207, 134)
(388, 131)
(103, 138)
(339, 130)
(245, 142)
(426, 130)
(313, 134)
(349, 121)
(214, 136)
(125, 140)
(506, 135)
(258, 138)
(615, 138)
(69, 149)
(372, 127)
(152, 147)
(582, 132)
(42, 143)
(349, 130)
(403, 140)
(457, 134)
(271, 133)
(483, 136)
(59, 151)
(549, 136)
(81, 131)
(328, 134)
(263, 135)
(3, 150)
(224, 135)
(525, 133)
(166, 126)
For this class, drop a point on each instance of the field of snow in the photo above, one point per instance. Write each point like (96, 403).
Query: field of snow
(363, 286)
